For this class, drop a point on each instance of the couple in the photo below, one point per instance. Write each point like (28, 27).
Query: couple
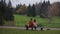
(32, 24)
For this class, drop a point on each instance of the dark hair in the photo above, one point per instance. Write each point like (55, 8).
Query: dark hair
(31, 19)
(34, 20)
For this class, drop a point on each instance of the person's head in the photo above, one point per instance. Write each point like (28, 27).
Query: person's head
(34, 20)
(31, 19)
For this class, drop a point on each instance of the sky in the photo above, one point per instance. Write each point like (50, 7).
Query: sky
(27, 2)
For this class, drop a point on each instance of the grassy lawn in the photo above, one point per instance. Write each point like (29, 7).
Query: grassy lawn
(17, 31)
(22, 20)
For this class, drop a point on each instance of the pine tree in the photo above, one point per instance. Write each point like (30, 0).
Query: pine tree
(44, 9)
(18, 6)
(9, 12)
(2, 11)
(33, 11)
(29, 11)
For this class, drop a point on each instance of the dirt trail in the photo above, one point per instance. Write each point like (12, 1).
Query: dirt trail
(25, 28)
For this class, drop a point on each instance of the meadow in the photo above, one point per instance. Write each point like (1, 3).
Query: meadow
(17, 31)
(22, 20)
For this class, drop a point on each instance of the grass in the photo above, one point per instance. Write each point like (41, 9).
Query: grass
(22, 20)
(17, 31)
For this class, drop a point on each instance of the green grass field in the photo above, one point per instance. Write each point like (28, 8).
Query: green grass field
(22, 20)
(17, 31)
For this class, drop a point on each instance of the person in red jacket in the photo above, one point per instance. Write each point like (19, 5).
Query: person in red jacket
(30, 24)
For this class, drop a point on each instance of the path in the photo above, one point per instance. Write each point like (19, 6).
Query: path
(25, 28)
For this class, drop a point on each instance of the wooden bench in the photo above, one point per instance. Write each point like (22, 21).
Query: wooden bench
(38, 25)
(27, 27)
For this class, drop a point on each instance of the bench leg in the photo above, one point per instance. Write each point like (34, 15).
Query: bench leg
(27, 28)
(35, 28)
(31, 28)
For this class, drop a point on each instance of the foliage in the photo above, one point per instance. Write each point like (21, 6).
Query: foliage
(31, 11)
(2, 11)
(44, 9)
(6, 12)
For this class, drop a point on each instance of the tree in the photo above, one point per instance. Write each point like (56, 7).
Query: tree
(44, 9)
(24, 9)
(9, 12)
(18, 7)
(29, 10)
(33, 11)
(2, 11)
(21, 10)
(58, 8)
(37, 8)
(6, 12)
(52, 11)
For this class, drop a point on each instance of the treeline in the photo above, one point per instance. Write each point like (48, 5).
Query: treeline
(6, 12)
(44, 9)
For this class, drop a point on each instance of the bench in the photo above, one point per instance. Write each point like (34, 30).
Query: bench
(27, 27)
(38, 25)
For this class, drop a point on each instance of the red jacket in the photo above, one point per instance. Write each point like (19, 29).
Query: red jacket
(31, 23)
